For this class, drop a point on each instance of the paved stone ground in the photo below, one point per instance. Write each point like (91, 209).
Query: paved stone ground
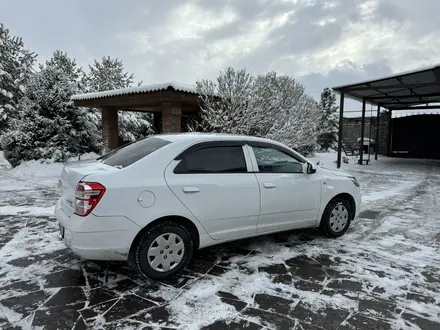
(383, 274)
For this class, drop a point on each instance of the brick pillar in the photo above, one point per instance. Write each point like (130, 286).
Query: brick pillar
(110, 132)
(171, 117)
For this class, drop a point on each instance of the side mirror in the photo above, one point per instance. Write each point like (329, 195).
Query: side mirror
(308, 168)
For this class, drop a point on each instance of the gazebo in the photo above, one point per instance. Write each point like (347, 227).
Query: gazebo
(412, 90)
(168, 102)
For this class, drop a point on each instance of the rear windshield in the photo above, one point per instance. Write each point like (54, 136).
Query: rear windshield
(132, 152)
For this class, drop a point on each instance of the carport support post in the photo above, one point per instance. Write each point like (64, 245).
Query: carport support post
(171, 117)
(376, 145)
(341, 122)
(390, 127)
(361, 151)
(110, 131)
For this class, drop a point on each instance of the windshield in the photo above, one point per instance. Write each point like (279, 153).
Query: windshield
(132, 152)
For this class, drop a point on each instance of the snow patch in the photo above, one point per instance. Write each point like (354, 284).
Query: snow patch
(3, 161)
(27, 210)
(37, 168)
(381, 193)
(46, 168)
(30, 242)
(11, 315)
(196, 308)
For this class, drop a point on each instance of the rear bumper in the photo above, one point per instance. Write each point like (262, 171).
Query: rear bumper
(97, 238)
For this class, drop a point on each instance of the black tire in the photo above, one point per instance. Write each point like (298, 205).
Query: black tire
(141, 258)
(325, 225)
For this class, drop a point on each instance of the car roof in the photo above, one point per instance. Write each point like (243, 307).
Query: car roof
(194, 137)
(200, 137)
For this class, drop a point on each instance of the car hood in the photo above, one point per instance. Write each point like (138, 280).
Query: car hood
(339, 173)
(334, 172)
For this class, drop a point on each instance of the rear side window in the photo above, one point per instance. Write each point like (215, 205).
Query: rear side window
(227, 159)
(132, 152)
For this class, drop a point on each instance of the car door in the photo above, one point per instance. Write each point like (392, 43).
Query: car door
(215, 182)
(289, 197)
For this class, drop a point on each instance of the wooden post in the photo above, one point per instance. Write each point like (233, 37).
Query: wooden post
(110, 131)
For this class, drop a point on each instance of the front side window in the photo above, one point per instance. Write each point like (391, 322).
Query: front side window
(227, 159)
(272, 160)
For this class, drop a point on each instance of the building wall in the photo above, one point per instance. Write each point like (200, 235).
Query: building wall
(352, 130)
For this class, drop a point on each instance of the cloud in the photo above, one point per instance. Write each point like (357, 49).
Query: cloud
(345, 72)
(321, 42)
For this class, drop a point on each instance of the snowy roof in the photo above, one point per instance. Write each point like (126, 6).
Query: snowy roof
(138, 89)
(398, 91)
(394, 114)
(406, 113)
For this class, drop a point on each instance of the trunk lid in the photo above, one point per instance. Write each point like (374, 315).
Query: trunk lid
(72, 174)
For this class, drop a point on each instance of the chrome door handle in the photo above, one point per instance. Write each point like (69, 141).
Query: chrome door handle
(190, 190)
(269, 185)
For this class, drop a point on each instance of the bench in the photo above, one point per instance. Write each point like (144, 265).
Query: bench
(351, 152)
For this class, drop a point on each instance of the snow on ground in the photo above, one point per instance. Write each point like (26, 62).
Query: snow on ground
(26, 210)
(38, 169)
(45, 168)
(379, 188)
(382, 274)
(34, 173)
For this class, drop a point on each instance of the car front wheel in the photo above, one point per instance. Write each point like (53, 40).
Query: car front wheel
(164, 251)
(336, 218)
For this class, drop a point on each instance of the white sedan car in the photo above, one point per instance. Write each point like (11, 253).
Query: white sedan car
(155, 201)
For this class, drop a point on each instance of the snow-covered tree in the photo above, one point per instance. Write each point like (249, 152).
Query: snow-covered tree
(266, 105)
(107, 75)
(226, 104)
(50, 126)
(15, 69)
(110, 74)
(290, 115)
(329, 121)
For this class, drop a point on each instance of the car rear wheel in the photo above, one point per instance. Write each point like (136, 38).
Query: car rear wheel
(164, 251)
(336, 218)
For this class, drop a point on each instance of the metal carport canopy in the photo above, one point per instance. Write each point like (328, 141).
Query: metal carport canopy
(410, 90)
(399, 91)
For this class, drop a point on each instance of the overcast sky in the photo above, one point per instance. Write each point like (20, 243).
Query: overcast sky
(322, 43)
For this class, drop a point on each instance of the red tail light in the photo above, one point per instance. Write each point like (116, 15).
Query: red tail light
(87, 196)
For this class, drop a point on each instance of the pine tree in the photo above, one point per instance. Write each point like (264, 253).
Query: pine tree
(110, 74)
(107, 75)
(329, 122)
(50, 126)
(15, 69)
